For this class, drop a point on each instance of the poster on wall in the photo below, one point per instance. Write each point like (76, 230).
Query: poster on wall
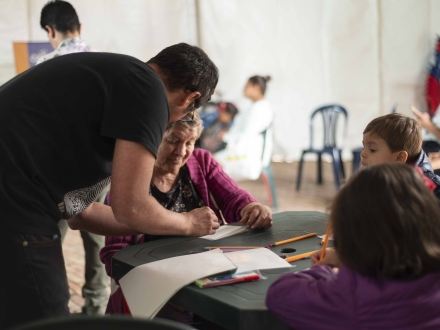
(26, 54)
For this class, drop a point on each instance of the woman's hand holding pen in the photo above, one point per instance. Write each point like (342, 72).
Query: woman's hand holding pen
(256, 215)
(331, 258)
(202, 221)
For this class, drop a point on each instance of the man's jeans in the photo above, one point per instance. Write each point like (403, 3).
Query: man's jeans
(33, 281)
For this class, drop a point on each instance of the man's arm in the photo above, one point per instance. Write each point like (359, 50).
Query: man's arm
(132, 206)
(99, 219)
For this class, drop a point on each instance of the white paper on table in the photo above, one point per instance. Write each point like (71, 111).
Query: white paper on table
(254, 259)
(330, 238)
(225, 231)
(148, 287)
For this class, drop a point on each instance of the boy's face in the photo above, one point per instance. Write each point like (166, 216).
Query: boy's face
(376, 151)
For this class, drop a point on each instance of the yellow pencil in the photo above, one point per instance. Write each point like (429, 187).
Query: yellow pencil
(292, 239)
(324, 245)
(300, 256)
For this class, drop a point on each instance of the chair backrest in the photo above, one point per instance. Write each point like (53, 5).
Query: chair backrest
(108, 322)
(330, 115)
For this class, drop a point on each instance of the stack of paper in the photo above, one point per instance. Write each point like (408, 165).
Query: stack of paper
(254, 259)
(225, 231)
(148, 287)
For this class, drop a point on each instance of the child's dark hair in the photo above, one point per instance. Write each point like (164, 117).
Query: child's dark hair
(188, 67)
(387, 223)
(399, 132)
(60, 15)
(260, 81)
(228, 108)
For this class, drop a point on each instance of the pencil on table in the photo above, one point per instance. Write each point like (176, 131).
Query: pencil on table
(292, 239)
(300, 256)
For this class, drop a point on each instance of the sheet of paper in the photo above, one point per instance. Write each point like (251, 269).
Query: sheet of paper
(254, 259)
(148, 287)
(225, 231)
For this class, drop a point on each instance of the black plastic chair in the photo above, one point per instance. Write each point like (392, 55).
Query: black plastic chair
(330, 115)
(109, 322)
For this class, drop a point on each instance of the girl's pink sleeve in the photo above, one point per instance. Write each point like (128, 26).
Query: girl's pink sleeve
(112, 245)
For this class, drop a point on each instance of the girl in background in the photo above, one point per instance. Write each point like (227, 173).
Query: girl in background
(384, 272)
(249, 135)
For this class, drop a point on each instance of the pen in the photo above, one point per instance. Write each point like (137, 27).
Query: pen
(292, 240)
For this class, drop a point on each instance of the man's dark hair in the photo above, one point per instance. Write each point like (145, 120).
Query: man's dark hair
(387, 223)
(188, 67)
(60, 15)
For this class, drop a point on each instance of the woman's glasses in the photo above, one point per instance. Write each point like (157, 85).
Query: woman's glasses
(188, 118)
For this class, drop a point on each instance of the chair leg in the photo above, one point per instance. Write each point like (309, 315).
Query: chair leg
(270, 186)
(267, 186)
(300, 167)
(336, 167)
(342, 165)
(319, 168)
(356, 161)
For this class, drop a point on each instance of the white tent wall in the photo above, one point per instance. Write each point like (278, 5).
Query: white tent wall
(140, 28)
(366, 55)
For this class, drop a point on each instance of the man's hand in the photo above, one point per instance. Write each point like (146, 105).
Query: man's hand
(203, 221)
(256, 215)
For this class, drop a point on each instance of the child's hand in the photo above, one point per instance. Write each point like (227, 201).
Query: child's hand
(422, 117)
(331, 258)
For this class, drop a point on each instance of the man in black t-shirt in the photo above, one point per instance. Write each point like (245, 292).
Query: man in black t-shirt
(66, 125)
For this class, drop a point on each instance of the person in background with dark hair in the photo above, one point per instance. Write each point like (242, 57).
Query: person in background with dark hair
(60, 21)
(384, 272)
(249, 135)
(62, 139)
(211, 138)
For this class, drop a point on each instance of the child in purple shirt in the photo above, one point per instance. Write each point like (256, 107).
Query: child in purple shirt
(384, 272)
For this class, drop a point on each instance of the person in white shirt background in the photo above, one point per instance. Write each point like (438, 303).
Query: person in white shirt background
(60, 21)
(249, 135)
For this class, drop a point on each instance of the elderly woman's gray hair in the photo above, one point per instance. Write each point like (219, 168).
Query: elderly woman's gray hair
(196, 123)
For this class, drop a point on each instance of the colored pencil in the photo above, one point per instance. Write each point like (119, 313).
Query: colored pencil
(292, 240)
(325, 241)
(300, 256)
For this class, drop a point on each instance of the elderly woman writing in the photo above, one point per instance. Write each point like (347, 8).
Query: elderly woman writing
(183, 179)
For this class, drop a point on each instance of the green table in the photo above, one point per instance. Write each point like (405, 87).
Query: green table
(238, 306)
